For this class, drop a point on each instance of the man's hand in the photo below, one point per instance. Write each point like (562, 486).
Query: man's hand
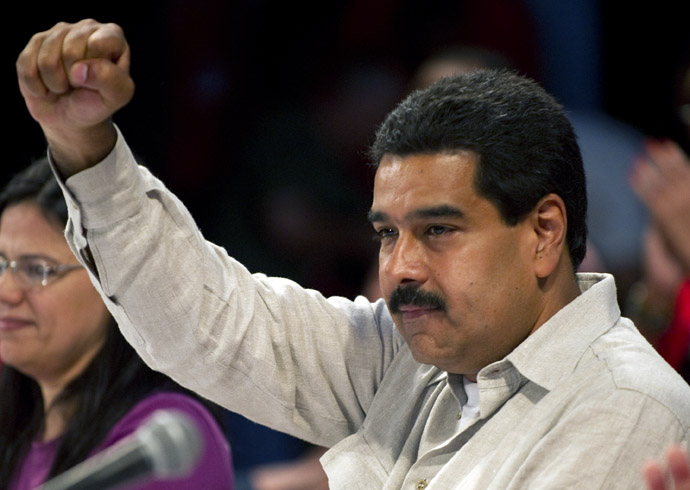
(74, 77)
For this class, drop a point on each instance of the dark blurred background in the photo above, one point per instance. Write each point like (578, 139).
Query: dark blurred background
(258, 113)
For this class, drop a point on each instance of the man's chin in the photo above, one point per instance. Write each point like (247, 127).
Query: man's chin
(423, 354)
(433, 357)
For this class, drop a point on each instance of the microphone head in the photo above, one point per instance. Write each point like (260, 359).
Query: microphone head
(173, 443)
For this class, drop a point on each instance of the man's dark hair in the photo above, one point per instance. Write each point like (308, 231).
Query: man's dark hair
(525, 145)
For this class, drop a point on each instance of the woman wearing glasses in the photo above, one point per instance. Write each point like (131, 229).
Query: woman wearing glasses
(71, 386)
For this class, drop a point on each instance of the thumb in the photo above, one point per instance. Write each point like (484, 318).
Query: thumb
(79, 74)
(111, 81)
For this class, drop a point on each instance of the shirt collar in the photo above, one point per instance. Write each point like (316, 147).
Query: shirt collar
(555, 348)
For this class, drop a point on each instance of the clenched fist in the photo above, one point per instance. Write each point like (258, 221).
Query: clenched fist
(74, 77)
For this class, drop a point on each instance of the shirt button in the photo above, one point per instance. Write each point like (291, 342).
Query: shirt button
(421, 484)
(459, 415)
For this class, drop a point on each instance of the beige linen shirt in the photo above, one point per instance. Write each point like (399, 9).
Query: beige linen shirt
(581, 403)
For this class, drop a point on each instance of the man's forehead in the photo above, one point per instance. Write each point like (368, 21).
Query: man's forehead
(459, 155)
(428, 179)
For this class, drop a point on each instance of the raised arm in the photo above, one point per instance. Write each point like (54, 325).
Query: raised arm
(74, 77)
(263, 347)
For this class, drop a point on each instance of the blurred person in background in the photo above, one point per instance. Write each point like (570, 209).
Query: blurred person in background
(660, 301)
(71, 385)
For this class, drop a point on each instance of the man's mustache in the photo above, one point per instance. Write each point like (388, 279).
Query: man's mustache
(414, 296)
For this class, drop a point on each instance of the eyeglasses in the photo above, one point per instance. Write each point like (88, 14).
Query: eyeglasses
(32, 271)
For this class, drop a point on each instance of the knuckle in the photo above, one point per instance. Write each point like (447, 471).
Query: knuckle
(48, 63)
(72, 51)
(61, 26)
(37, 38)
(97, 43)
(57, 29)
(22, 62)
(114, 27)
(89, 21)
(25, 69)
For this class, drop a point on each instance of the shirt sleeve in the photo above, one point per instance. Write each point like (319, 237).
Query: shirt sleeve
(602, 444)
(281, 355)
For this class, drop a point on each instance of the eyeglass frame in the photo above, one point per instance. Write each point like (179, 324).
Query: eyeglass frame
(50, 267)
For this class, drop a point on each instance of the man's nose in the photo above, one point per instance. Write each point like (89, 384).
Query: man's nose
(406, 261)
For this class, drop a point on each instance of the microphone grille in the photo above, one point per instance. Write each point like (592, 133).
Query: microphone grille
(173, 443)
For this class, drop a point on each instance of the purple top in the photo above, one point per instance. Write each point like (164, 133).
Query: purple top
(214, 471)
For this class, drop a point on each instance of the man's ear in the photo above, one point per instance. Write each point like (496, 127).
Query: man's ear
(550, 224)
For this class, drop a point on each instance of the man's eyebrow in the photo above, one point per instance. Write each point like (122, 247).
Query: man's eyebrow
(441, 211)
(376, 216)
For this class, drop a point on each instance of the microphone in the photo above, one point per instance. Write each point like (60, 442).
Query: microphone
(166, 446)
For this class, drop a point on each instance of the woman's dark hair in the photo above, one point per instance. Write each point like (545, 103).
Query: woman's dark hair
(525, 145)
(115, 380)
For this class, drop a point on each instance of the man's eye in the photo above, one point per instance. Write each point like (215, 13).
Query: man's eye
(384, 233)
(436, 230)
